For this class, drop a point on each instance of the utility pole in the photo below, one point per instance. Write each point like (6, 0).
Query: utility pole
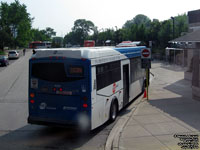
(173, 36)
(173, 27)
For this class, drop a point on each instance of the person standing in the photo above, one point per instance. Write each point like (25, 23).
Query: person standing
(24, 51)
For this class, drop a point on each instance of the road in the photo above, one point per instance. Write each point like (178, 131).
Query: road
(15, 133)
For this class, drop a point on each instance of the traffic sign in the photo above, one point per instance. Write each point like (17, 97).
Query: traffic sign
(146, 63)
(146, 53)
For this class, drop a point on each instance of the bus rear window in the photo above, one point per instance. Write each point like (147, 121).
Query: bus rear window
(53, 72)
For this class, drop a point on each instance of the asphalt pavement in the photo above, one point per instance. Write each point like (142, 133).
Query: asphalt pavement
(14, 94)
(15, 133)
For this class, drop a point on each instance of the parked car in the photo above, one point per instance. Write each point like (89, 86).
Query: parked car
(4, 60)
(13, 54)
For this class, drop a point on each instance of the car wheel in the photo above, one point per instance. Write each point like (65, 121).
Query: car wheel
(113, 111)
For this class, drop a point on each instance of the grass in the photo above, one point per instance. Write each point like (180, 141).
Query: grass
(2, 53)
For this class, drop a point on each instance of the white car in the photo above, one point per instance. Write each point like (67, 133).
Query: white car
(13, 54)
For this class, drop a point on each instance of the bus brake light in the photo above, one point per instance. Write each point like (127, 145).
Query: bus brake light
(32, 101)
(85, 105)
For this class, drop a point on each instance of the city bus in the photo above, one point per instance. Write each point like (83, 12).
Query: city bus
(84, 86)
(40, 44)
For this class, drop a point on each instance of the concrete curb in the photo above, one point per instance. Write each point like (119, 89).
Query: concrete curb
(112, 142)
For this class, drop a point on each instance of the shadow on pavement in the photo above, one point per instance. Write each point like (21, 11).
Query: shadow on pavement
(183, 107)
(42, 137)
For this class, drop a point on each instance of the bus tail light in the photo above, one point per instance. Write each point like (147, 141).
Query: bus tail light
(60, 89)
(32, 101)
(32, 95)
(85, 105)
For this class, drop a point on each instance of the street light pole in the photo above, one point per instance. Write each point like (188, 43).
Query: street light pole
(173, 37)
(173, 27)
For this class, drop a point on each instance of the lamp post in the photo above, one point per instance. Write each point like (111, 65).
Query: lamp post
(173, 38)
(173, 27)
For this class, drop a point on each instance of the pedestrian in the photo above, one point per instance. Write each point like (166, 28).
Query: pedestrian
(34, 51)
(24, 51)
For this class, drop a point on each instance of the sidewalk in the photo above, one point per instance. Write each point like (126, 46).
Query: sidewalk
(170, 111)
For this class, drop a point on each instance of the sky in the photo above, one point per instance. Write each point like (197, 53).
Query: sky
(61, 14)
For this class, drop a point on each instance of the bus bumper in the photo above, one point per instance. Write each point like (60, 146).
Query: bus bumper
(55, 123)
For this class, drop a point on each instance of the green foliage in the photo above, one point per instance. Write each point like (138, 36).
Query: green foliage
(2, 53)
(140, 28)
(80, 32)
(16, 31)
(138, 20)
(42, 35)
(165, 33)
(15, 25)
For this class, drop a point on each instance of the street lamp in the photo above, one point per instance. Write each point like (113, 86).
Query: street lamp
(173, 39)
(173, 27)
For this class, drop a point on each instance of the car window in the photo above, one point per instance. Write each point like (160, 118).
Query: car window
(13, 52)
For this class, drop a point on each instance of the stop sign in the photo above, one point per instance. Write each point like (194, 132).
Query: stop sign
(146, 53)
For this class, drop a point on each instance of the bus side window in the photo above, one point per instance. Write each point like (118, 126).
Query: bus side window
(108, 74)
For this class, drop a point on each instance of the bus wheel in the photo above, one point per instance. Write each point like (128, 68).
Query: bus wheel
(113, 111)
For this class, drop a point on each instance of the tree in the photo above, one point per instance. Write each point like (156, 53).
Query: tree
(38, 35)
(165, 33)
(42, 35)
(49, 32)
(72, 38)
(15, 25)
(181, 25)
(84, 25)
(82, 29)
(152, 33)
(138, 20)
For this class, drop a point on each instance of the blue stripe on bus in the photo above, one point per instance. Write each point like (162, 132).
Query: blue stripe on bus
(130, 51)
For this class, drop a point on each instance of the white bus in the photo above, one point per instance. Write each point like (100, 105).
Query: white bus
(83, 86)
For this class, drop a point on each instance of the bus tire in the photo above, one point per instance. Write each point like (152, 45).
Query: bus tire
(113, 111)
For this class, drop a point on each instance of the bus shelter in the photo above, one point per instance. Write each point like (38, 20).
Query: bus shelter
(175, 56)
(192, 43)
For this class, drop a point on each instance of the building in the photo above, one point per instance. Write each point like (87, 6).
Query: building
(191, 42)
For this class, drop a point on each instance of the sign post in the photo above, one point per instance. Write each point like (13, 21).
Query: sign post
(146, 63)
